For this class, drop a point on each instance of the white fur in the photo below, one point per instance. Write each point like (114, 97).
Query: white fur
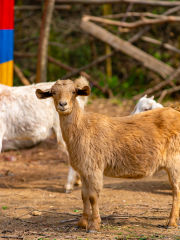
(146, 104)
(24, 117)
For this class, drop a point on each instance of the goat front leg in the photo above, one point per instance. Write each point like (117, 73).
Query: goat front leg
(2, 131)
(95, 187)
(83, 221)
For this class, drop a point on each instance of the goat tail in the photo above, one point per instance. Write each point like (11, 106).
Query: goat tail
(176, 107)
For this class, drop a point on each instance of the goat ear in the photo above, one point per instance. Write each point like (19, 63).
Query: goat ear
(43, 94)
(134, 110)
(145, 96)
(152, 97)
(85, 91)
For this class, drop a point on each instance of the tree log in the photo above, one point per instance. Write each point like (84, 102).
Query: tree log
(127, 48)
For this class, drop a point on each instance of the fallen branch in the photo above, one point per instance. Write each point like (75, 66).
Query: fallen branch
(60, 64)
(165, 45)
(159, 85)
(70, 220)
(24, 55)
(11, 237)
(25, 40)
(143, 22)
(72, 46)
(146, 21)
(31, 7)
(129, 216)
(18, 20)
(50, 59)
(143, 2)
(163, 93)
(21, 76)
(147, 60)
(147, 28)
(105, 90)
(90, 65)
(132, 14)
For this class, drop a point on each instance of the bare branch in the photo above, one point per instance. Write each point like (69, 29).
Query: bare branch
(90, 65)
(32, 8)
(165, 45)
(60, 64)
(165, 92)
(21, 76)
(24, 55)
(159, 85)
(132, 14)
(25, 40)
(143, 22)
(147, 28)
(143, 2)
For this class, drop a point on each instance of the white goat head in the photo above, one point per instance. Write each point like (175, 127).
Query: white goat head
(145, 104)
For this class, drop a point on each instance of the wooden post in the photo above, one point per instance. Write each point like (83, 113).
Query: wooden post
(43, 41)
(107, 9)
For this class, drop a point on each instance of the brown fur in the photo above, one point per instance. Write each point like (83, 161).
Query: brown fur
(129, 147)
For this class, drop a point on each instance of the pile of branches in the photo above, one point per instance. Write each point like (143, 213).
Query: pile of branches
(121, 31)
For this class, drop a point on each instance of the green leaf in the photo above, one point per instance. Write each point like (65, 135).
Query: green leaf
(76, 210)
(4, 208)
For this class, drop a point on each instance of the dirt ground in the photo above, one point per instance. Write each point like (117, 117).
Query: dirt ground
(33, 204)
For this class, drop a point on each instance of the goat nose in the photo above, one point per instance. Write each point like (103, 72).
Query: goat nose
(62, 104)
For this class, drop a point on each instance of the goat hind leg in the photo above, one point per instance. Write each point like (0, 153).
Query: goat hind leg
(174, 215)
(71, 179)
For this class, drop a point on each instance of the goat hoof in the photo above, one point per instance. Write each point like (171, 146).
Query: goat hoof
(82, 223)
(171, 225)
(94, 226)
(68, 191)
(91, 231)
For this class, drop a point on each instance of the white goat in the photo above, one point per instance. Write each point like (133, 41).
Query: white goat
(24, 117)
(145, 104)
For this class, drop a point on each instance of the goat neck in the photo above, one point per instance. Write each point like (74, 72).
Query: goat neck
(70, 122)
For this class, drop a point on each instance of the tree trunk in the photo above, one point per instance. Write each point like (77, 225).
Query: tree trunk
(43, 41)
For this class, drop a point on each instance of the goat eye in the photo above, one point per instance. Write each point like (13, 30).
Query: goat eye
(53, 93)
(73, 92)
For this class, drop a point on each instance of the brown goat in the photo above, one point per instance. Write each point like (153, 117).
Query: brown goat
(136, 146)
